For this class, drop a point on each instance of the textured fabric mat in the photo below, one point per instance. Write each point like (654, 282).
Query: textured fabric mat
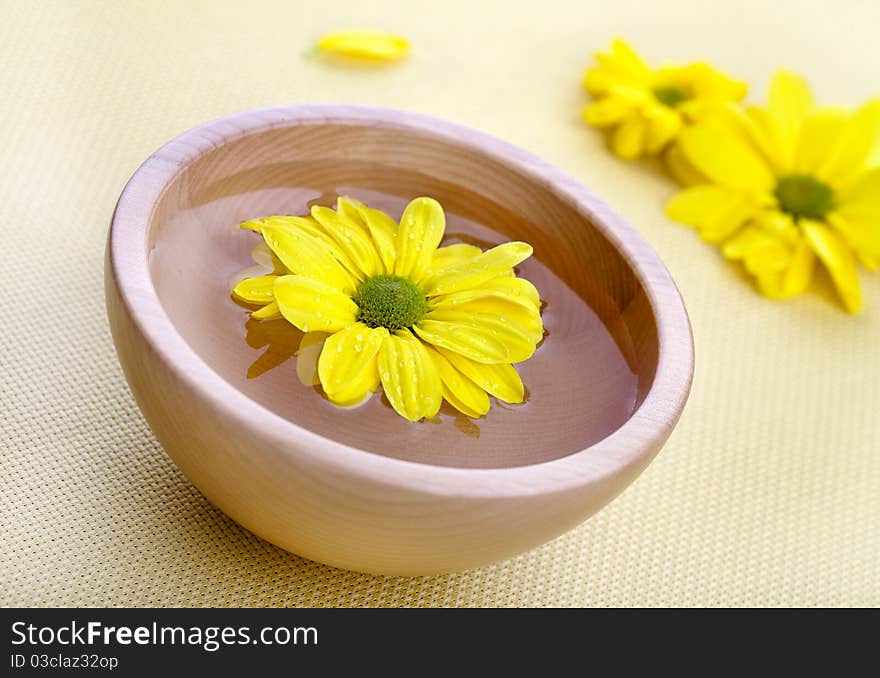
(768, 492)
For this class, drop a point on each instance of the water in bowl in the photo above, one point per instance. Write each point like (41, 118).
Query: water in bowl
(580, 383)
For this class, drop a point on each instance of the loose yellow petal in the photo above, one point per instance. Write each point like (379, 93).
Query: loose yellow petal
(462, 393)
(348, 364)
(477, 270)
(716, 212)
(501, 381)
(790, 103)
(726, 159)
(418, 235)
(307, 256)
(839, 261)
(409, 377)
(484, 337)
(352, 240)
(372, 45)
(628, 140)
(256, 290)
(312, 305)
(853, 146)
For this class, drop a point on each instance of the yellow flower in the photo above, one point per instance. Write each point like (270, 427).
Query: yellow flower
(647, 108)
(393, 308)
(786, 185)
(371, 45)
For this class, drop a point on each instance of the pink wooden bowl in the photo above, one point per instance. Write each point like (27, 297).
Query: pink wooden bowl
(366, 490)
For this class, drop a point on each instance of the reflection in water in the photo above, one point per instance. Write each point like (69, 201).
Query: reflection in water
(280, 338)
(582, 379)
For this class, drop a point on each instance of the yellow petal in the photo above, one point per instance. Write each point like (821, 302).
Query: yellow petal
(409, 376)
(263, 255)
(484, 337)
(726, 159)
(628, 140)
(858, 217)
(348, 364)
(374, 45)
(352, 240)
(853, 146)
(256, 290)
(383, 230)
(790, 103)
(268, 312)
(483, 302)
(310, 347)
(791, 280)
(839, 261)
(310, 227)
(313, 306)
(623, 61)
(762, 249)
(709, 84)
(477, 270)
(518, 288)
(307, 256)
(462, 393)
(444, 257)
(682, 170)
(714, 211)
(862, 235)
(501, 381)
(862, 197)
(663, 125)
(606, 112)
(819, 133)
(418, 235)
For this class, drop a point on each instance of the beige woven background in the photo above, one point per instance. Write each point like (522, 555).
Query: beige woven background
(768, 493)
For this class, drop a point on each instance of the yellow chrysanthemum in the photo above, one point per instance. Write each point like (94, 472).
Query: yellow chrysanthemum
(390, 307)
(647, 108)
(785, 185)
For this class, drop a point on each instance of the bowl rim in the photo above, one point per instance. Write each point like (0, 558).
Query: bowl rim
(633, 444)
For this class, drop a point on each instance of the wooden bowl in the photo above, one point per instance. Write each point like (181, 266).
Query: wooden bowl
(364, 489)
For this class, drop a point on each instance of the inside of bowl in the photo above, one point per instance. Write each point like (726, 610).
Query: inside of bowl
(592, 370)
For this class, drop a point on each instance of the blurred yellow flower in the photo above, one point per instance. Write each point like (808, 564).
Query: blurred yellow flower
(785, 185)
(382, 303)
(369, 45)
(647, 108)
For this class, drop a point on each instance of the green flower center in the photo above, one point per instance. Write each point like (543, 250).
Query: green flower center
(390, 301)
(670, 96)
(804, 196)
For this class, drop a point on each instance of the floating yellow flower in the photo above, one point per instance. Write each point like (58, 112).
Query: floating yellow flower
(785, 185)
(647, 108)
(393, 308)
(372, 45)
